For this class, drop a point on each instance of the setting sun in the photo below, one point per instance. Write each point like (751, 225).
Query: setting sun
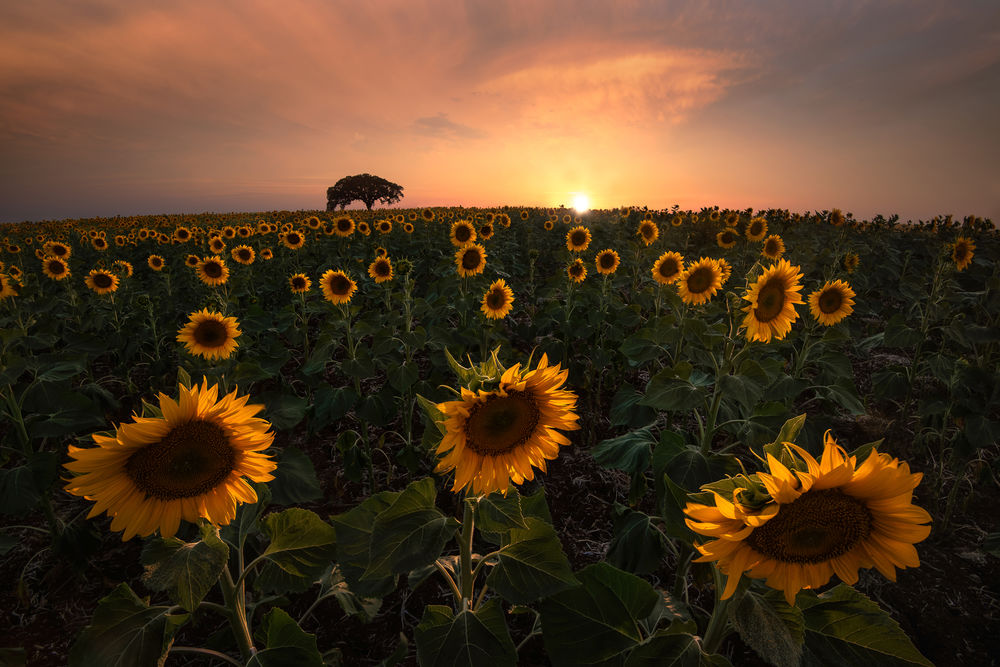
(581, 203)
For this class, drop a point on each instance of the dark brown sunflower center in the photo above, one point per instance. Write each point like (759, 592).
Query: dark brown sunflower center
(58, 250)
(192, 459)
(576, 269)
(293, 238)
(384, 227)
(727, 237)
(578, 237)
(501, 424)
(100, 243)
(344, 225)
(830, 301)
(669, 267)
(244, 254)
(56, 267)
(700, 280)
(770, 301)
(771, 247)
(607, 261)
(470, 259)
(462, 233)
(211, 333)
(340, 285)
(182, 234)
(817, 527)
(382, 269)
(756, 229)
(496, 299)
(298, 282)
(211, 269)
(961, 251)
(102, 280)
(647, 231)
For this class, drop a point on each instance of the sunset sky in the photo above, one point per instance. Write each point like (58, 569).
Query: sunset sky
(188, 106)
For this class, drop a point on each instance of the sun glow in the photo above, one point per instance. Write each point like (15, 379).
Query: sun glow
(581, 203)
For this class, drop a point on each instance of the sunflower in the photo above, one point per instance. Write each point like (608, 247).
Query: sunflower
(312, 222)
(299, 283)
(188, 464)
(384, 226)
(578, 239)
(548, 225)
(57, 249)
(576, 271)
(524, 215)
(676, 220)
(191, 260)
(462, 233)
(832, 303)
(725, 269)
(99, 243)
(120, 240)
(427, 215)
(266, 254)
(757, 229)
(6, 287)
(123, 267)
(343, 226)
(101, 281)
(503, 220)
(217, 245)
(497, 437)
(363, 228)
(699, 282)
(470, 260)
(850, 262)
(649, 231)
(607, 262)
(55, 268)
(486, 231)
(243, 254)
(828, 517)
(293, 240)
(772, 302)
(726, 238)
(774, 247)
(962, 251)
(337, 287)
(668, 268)
(155, 262)
(381, 252)
(837, 217)
(182, 234)
(244, 232)
(210, 334)
(213, 271)
(498, 300)
(732, 219)
(381, 270)
(408, 227)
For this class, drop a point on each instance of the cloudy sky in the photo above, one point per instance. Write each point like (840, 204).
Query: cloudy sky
(129, 107)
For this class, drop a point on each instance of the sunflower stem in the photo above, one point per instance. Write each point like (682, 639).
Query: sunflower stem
(205, 651)
(451, 582)
(238, 614)
(718, 624)
(465, 552)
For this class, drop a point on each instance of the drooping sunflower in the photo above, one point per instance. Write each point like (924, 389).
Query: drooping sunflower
(209, 334)
(381, 252)
(837, 218)
(462, 233)
(772, 298)
(497, 437)
(101, 281)
(343, 226)
(381, 269)
(244, 254)
(699, 282)
(57, 249)
(757, 229)
(827, 517)
(7, 289)
(299, 283)
(337, 287)
(216, 245)
(470, 260)
(266, 254)
(576, 271)
(851, 261)
(293, 240)
(962, 252)
(498, 300)
(726, 238)
(55, 268)
(188, 464)
(578, 239)
(832, 302)
(649, 231)
(668, 267)
(774, 247)
(607, 262)
(213, 271)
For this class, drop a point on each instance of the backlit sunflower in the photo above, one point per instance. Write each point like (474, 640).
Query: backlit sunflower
(498, 300)
(155, 262)
(497, 437)
(384, 226)
(363, 228)
(293, 240)
(337, 287)
(408, 227)
(182, 234)
(188, 464)
(55, 268)
(470, 260)
(267, 254)
(123, 267)
(832, 303)
(99, 243)
(101, 281)
(962, 251)
(699, 282)
(577, 239)
(726, 238)
(725, 268)
(548, 225)
(851, 261)
(299, 283)
(213, 271)
(57, 249)
(607, 262)
(828, 517)
(381, 270)
(243, 254)
(837, 218)
(772, 298)
(343, 226)
(757, 229)
(191, 260)
(6, 287)
(774, 247)
(648, 231)
(462, 233)
(210, 335)
(668, 267)
(486, 231)
(217, 245)
(576, 271)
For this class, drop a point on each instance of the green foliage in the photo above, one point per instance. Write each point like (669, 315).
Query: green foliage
(532, 565)
(285, 644)
(185, 570)
(301, 543)
(479, 637)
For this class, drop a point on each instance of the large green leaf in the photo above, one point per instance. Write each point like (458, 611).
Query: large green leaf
(410, 533)
(789, 431)
(670, 649)
(532, 566)
(597, 623)
(295, 479)
(636, 546)
(498, 513)
(302, 544)
(470, 639)
(185, 570)
(21, 486)
(843, 627)
(626, 411)
(770, 627)
(284, 410)
(125, 632)
(629, 452)
(354, 531)
(285, 644)
(666, 391)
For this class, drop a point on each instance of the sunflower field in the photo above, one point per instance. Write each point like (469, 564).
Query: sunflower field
(512, 436)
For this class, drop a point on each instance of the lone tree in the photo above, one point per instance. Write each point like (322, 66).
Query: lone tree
(362, 187)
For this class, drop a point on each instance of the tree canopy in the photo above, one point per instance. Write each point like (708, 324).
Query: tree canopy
(362, 187)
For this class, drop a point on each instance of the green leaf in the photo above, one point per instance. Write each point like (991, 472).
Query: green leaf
(691, 468)
(532, 566)
(354, 529)
(185, 570)
(125, 632)
(302, 544)
(665, 391)
(403, 376)
(435, 415)
(285, 644)
(353, 604)
(247, 515)
(889, 383)
(478, 638)
(843, 627)
(55, 367)
(597, 623)
(667, 649)
(410, 533)
(626, 410)
(636, 546)
(629, 452)
(770, 627)
(497, 513)
(846, 396)
(331, 404)
(789, 431)
(284, 411)
(295, 479)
